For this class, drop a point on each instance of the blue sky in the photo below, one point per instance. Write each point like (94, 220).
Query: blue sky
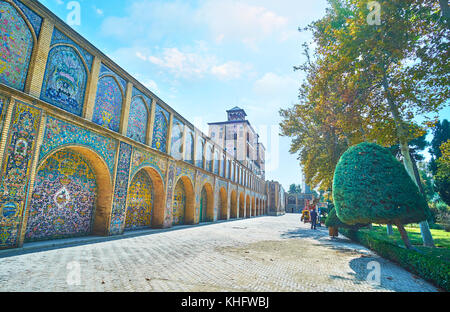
(204, 57)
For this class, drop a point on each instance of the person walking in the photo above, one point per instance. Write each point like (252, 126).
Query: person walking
(313, 219)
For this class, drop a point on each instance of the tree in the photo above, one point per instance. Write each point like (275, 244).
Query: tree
(402, 63)
(371, 186)
(295, 189)
(292, 189)
(442, 177)
(333, 221)
(441, 133)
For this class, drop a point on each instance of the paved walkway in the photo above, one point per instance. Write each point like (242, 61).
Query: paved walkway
(260, 254)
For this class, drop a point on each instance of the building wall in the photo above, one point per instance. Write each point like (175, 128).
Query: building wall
(275, 198)
(76, 155)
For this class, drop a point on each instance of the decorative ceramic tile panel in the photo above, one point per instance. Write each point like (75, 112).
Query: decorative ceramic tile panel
(59, 38)
(169, 196)
(137, 120)
(139, 202)
(3, 108)
(142, 159)
(16, 170)
(189, 155)
(179, 204)
(200, 152)
(34, 19)
(63, 200)
(16, 46)
(108, 104)
(60, 133)
(121, 189)
(176, 148)
(160, 129)
(65, 80)
(104, 70)
(203, 205)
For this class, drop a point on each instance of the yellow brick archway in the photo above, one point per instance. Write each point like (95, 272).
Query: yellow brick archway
(189, 213)
(103, 207)
(241, 205)
(209, 202)
(247, 209)
(233, 205)
(223, 201)
(157, 220)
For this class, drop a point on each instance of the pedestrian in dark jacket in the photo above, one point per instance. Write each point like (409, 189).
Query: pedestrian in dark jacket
(313, 219)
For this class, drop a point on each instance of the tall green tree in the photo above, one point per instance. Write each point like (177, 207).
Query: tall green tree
(400, 62)
(442, 177)
(295, 189)
(441, 133)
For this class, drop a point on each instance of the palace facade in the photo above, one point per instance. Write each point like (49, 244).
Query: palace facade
(86, 149)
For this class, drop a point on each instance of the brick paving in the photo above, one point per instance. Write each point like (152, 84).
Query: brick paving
(259, 254)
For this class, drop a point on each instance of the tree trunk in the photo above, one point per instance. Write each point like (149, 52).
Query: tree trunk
(407, 162)
(404, 235)
(389, 230)
(424, 226)
(445, 9)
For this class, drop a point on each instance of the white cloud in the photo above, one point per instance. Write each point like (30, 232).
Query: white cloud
(196, 64)
(98, 11)
(229, 70)
(141, 56)
(236, 20)
(275, 85)
(151, 85)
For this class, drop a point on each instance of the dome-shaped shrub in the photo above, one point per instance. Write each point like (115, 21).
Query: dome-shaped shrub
(372, 186)
(333, 221)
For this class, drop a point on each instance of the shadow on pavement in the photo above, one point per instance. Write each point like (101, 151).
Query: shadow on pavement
(360, 265)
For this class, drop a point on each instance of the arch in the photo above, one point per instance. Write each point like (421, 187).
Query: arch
(209, 157)
(65, 79)
(108, 103)
(176, 148)
(138, 119)
(248, 212)
(200, 152)
(253, 207)
(71, 196)
(158, 198)
(207, 204)
(183, 211)
(216, 163)
(20, 44)
(233, 205)
(223, 204)
(241, 205)
(189, 155)
(160, 130)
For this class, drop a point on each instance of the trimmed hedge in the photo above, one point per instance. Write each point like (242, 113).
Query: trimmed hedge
(372, 186)
(425, 266)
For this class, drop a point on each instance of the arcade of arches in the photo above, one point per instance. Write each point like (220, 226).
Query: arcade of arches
(85, 161)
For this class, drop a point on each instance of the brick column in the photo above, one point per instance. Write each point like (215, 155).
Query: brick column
(151, 122)
(39, 61)
(126, 110)
(169, 134)
(91, 89)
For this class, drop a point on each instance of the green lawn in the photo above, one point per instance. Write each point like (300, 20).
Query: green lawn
(441, 240)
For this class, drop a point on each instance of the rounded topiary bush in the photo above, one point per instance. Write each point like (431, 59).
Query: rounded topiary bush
(333, 221)
(372, 186)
